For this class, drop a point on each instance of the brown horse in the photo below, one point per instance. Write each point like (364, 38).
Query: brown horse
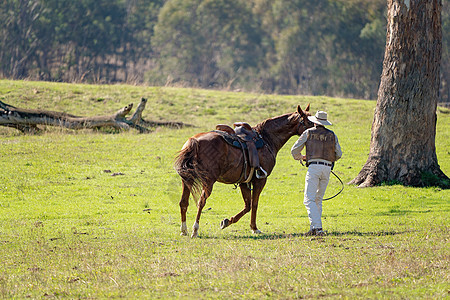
(206, 158)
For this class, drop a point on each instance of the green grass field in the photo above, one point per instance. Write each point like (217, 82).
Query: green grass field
(68, 229)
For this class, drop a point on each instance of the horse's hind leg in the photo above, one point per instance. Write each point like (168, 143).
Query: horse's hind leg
(247, 195)
(258, 186)
(184, 203)
(201, 203)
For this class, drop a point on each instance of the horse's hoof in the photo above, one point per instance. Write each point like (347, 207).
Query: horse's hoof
(256, 231)
(183, 229)
(195, 230)
(224, 224)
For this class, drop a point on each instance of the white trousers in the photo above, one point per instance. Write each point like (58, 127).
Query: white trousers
(316, 182)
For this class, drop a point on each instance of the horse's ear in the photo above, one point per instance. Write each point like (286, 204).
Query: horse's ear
(300, 111)
(307, 108)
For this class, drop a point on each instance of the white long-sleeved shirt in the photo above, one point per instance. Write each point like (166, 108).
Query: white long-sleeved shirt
(300, 144)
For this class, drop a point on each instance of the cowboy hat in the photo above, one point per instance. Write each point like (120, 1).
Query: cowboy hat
(320, 118)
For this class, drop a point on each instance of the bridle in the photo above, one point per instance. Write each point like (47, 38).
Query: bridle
(301, 123)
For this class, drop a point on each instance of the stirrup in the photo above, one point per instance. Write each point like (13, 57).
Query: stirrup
(264, 175)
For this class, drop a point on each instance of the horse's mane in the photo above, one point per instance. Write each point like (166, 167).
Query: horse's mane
(277, 121)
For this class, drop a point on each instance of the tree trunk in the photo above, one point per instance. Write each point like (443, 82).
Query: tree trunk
(402, 146)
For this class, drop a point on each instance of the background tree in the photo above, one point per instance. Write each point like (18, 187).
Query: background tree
(87, 33)
(205, 43)
(136, 54)
(322, 47)
(404, 127)
(18, 36)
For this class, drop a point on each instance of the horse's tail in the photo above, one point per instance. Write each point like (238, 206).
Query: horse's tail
(186, 165)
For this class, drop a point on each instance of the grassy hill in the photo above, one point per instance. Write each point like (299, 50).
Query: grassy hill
(69, 229)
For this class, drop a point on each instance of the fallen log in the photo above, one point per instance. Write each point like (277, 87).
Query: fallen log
(26, 120)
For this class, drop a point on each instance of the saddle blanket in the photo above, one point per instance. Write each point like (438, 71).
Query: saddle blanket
(233, 140)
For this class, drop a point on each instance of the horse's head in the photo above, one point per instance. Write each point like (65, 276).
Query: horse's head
(278, 130)
(301, 117)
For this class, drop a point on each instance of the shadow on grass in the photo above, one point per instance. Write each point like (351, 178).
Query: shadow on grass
(276, 236)
(400, 212)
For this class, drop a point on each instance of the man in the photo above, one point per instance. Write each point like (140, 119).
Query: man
(322, 150)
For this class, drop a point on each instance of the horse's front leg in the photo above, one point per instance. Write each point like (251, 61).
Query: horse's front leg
(247, 195)
(258, 186)
(201, 203)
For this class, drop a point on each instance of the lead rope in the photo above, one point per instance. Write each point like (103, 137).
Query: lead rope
(342, 184)
(342, 187)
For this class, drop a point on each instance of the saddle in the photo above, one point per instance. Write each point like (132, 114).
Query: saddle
(244, 137)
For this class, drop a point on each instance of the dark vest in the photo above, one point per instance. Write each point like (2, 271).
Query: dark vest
(321, 143)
